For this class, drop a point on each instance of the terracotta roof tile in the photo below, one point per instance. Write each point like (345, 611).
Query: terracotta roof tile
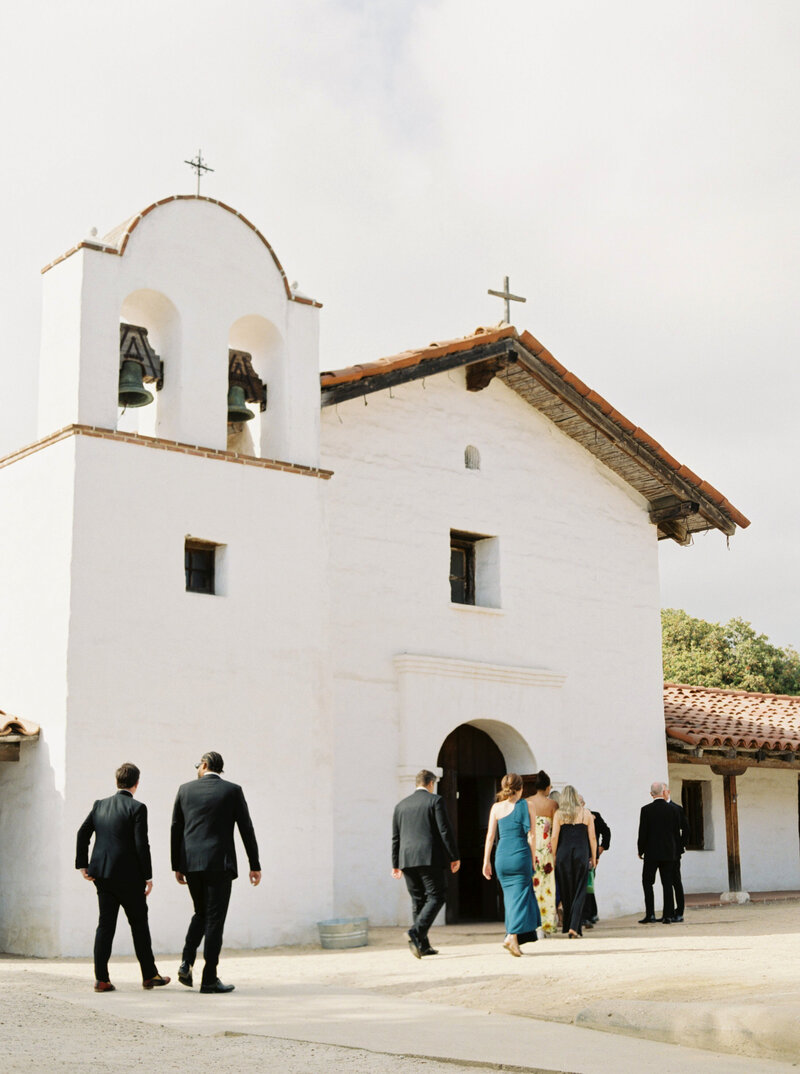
(13, 725)
(330, 378)
(705, 717)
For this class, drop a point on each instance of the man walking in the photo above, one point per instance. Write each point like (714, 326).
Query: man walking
(677, 880)
(122, 874)
(659, 839)
(204, 857)
(422, 844)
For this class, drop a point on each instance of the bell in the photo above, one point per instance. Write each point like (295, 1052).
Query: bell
(132, 391)
(237, 408)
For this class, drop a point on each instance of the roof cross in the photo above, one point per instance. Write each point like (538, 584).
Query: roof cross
(509, 298)
(200, 168)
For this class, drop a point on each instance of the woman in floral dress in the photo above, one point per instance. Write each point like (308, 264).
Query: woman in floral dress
(544, 872)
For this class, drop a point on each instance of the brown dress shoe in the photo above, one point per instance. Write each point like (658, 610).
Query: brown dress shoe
(156, 982)
(104, 986)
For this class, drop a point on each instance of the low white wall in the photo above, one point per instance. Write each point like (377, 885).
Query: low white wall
(769, 843)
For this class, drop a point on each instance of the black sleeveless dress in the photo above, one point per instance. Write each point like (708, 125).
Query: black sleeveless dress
(573, 855)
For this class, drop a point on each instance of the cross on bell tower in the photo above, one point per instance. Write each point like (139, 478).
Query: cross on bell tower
(509, 298)
(199, 166)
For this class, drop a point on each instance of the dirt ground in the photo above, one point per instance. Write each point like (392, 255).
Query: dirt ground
(734, 954)
(725, 955)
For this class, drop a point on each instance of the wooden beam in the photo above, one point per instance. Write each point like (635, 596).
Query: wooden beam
(682, 509)
(641, 452)
(355, 389)
(481, 374)
(676, 530)
(732, 833)
(730, 769)
(716, 761)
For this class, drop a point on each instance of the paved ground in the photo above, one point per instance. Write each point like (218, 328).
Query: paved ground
(726, 982)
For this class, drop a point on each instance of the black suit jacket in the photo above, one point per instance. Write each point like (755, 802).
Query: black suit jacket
(602, 831)
(203, 818)
(659, 831)
(121, 849)
(421, 833)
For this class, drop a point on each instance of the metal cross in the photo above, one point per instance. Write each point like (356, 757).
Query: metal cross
(506, 294)
(200, 168)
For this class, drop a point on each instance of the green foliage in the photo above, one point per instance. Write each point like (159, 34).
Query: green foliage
(727, 655)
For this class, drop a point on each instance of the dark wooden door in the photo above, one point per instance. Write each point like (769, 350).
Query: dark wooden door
(472, 768)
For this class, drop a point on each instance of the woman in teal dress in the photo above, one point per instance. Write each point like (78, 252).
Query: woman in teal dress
(510, 816)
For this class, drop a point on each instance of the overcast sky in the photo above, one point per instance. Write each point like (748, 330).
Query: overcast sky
(632, 166)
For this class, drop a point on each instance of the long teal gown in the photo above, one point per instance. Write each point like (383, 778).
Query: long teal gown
(514, 867)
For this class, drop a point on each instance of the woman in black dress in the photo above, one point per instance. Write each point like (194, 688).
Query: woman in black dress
(575, 849)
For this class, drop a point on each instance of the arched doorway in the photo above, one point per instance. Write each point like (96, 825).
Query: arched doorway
(472, 767)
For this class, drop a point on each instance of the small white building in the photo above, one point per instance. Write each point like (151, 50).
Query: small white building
(734, 759)
(461, 573)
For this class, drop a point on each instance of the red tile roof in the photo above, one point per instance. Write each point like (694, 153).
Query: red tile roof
(705, 717)
(12, 725)
(485, 336)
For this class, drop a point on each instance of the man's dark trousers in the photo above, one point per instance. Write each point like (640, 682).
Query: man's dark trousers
(677, 884)
(211, 893)
(665, 870)
(111, 895)
(428, 888)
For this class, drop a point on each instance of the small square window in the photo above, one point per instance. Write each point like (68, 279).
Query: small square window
(199, 563)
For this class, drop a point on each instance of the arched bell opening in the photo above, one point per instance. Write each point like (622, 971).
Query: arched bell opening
(474, 758)
(255, 386)
(149, 359)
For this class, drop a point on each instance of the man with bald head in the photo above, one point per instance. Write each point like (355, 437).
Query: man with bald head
(659, 847)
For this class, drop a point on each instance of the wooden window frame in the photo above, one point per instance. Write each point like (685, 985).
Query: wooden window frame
(695, 813)
(192, 545)
(464, 542)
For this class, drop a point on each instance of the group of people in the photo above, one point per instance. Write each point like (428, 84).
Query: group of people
(548, 846)
(203, 856)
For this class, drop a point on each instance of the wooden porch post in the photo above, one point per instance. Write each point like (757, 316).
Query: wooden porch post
(729, 774)
(732, 833)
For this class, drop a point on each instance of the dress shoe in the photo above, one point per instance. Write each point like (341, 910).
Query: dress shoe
(104, 986)
(429, 951)
(413, 944)
(185, 974)
(666, 920)
(678, 917)
(156, 982)
(216, 987)
(648, 920)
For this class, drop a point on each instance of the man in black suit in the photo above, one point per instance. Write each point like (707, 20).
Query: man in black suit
(659, 840)
(677, 880)
(204, 857)
(122, 874)
(422, 844)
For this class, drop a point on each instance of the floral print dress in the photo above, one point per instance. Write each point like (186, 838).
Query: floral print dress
(544, 874)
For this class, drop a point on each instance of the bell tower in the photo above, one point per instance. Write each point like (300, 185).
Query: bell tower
(181, 325)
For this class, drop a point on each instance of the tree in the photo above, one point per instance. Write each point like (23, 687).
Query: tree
(727, 655)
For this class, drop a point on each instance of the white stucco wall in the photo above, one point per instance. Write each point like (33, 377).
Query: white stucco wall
(158, 675)
(579, 600)
(769, 844)
(36, 509)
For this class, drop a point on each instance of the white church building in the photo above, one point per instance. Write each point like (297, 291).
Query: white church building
(444, 559)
